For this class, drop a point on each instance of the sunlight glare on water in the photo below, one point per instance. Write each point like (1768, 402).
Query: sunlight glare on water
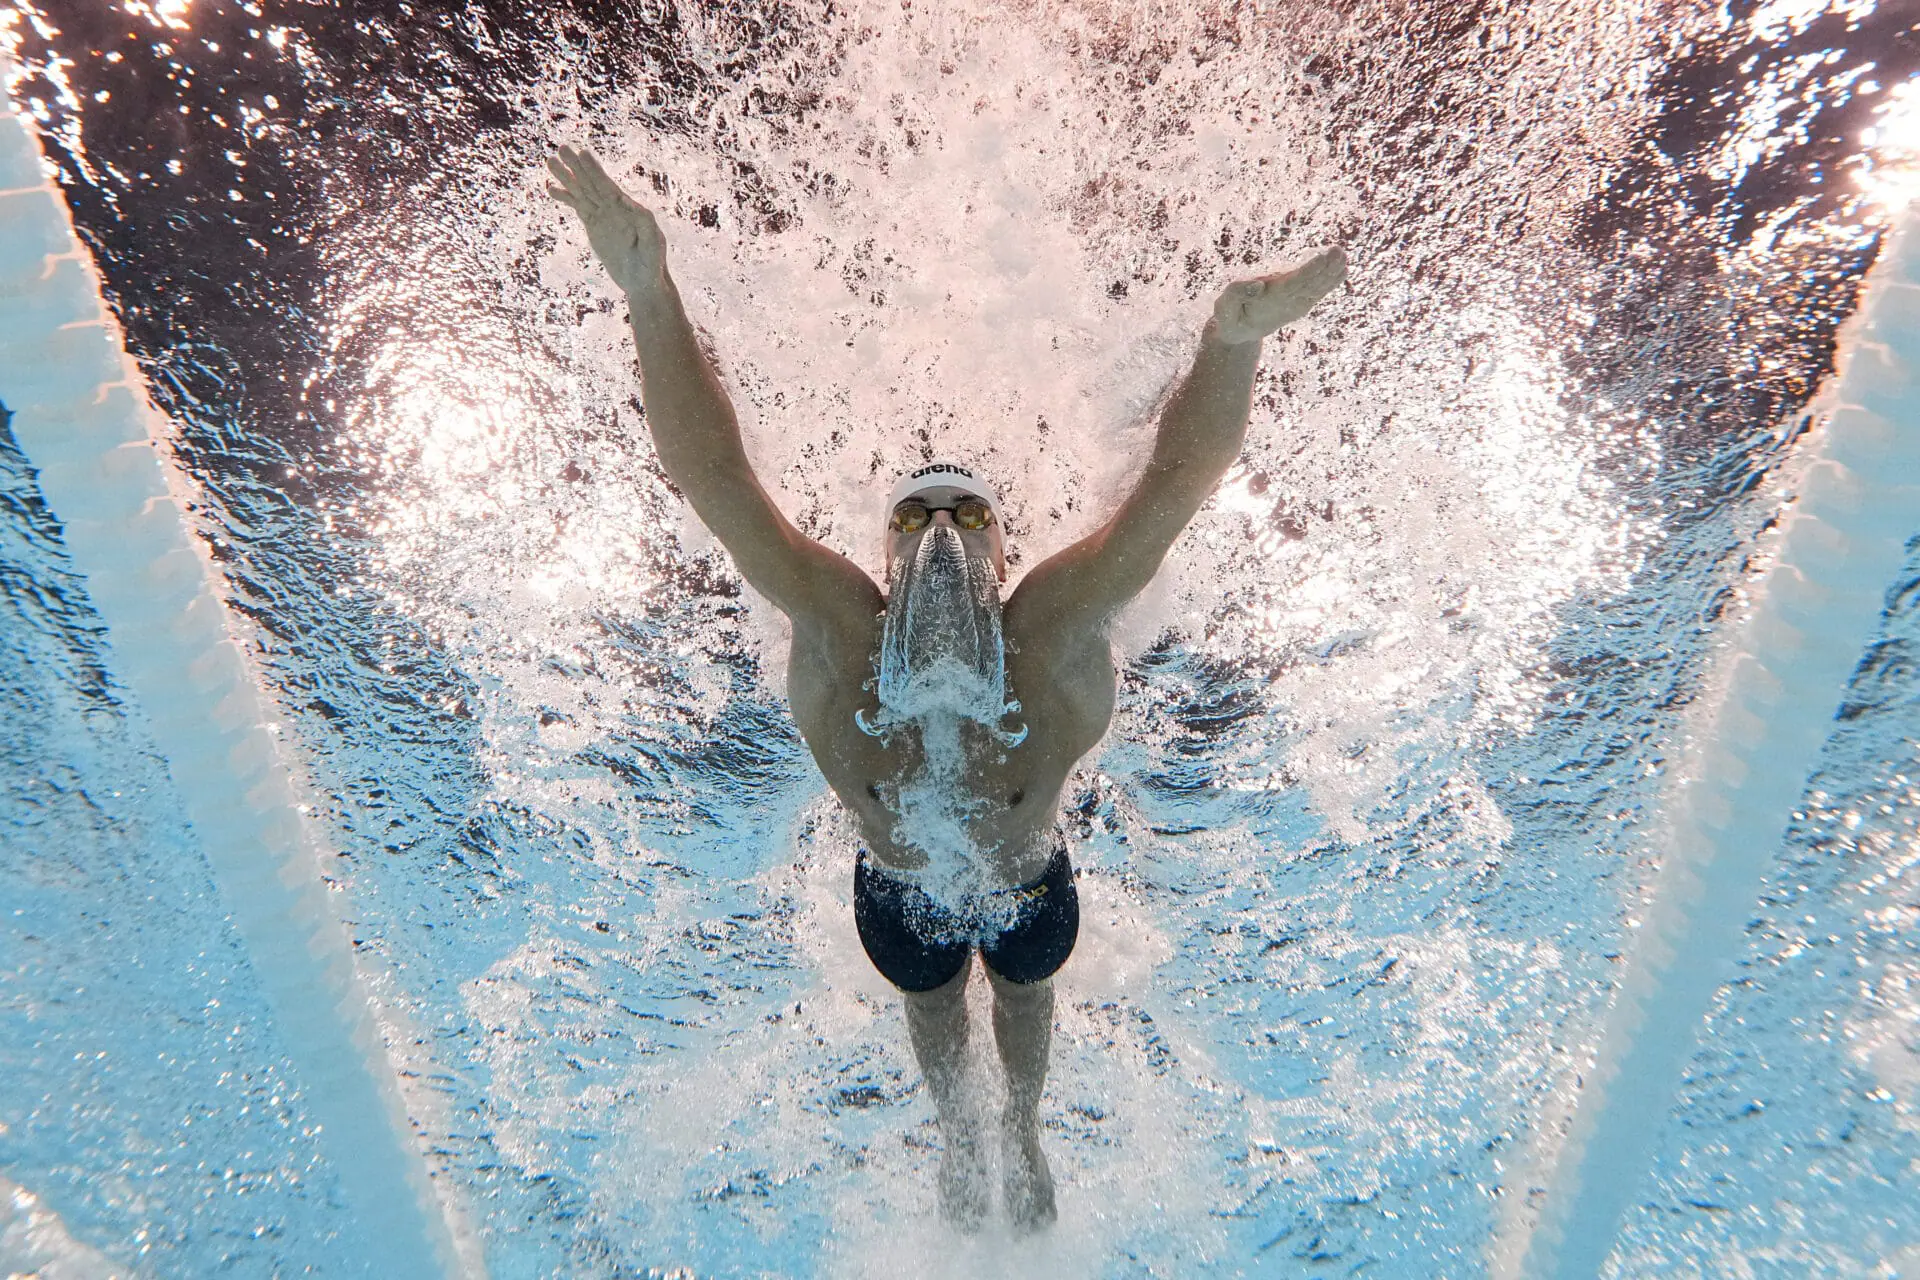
(1891, 168)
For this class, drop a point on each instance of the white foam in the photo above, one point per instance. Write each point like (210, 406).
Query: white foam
(36, 1245)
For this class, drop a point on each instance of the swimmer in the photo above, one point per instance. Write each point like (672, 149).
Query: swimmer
(944, 719)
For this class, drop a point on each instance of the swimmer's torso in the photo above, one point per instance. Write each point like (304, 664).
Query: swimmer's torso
(1065, 687)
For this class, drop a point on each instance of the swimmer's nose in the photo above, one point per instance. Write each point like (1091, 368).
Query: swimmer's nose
(946, 517)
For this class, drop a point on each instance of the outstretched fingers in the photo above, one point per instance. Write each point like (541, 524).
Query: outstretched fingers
(1319, 274)
(591, 169)
(566, 187)
(1307, 283)
(583, 183)
(591, 178)
(1250, 309)
(1329, 265)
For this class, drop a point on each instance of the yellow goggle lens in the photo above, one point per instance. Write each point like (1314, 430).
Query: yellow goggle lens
(970, 514)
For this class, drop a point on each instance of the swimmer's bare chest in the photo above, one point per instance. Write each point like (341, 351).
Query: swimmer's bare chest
(1012, 793)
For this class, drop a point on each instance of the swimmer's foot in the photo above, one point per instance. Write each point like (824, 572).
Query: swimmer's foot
(1026, 1180)
(1249, 310)
(964, 1189)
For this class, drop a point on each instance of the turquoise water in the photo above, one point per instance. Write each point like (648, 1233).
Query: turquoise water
(1362, 854)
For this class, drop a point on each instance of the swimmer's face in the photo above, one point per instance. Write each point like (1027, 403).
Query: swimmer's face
(980, 532)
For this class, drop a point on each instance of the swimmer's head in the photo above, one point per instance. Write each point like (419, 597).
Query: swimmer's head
(941, 647)
(945, 493)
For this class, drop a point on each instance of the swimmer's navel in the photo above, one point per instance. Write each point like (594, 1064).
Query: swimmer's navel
(1014, 800)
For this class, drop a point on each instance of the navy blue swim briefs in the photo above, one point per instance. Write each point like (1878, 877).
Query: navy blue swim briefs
(918, 944)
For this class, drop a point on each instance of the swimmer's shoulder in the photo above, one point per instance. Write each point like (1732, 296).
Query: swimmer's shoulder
(836, 604)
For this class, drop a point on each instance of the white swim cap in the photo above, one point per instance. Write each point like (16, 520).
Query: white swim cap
(944, 475)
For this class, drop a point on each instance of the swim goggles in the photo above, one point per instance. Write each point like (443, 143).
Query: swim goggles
(969, 512)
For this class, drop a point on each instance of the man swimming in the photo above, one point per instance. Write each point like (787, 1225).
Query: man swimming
(944, 720)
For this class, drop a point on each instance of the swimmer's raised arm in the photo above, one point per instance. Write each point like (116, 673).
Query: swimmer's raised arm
(695, 429)
(1200, 435)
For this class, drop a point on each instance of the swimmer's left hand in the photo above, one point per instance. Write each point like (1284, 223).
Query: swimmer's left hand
(1249, 310)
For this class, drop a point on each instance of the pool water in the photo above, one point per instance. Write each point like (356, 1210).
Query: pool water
(1363, 857)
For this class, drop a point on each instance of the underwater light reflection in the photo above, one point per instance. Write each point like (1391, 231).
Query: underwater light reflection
(1889, 171)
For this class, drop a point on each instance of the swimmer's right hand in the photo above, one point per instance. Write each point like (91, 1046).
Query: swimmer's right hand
(623, 232)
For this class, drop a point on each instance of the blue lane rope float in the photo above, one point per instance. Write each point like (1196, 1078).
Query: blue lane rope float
(1767, 709)
(81, 416)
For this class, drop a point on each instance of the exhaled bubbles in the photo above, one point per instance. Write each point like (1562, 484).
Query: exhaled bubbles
(942, 651)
